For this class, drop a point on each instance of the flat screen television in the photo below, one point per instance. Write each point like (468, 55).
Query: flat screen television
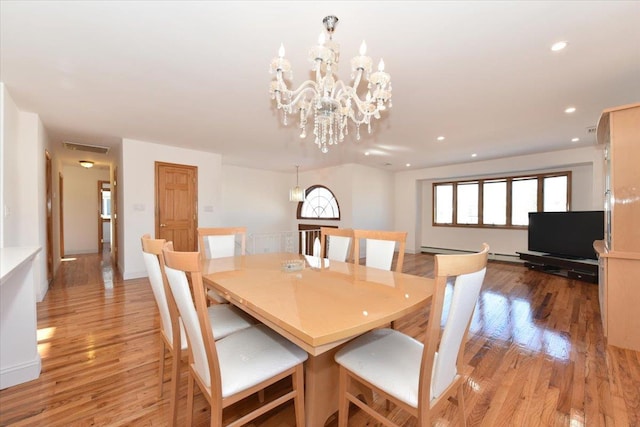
(566, 234)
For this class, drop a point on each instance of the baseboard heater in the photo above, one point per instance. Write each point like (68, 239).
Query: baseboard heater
(492, 255)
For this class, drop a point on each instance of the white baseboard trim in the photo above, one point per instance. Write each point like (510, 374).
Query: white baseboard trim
(42, 291)
(492, 255)
(134, 275)
(21, 373)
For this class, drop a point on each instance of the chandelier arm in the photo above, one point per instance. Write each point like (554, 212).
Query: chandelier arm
(356, 81)
(342, 90)
(307, 86)
(347, 92)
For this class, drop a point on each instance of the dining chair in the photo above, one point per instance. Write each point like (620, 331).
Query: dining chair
(225, 319)
(220, 242)
(380, 247)
(229, 370)
(418, 377)
(336, 243)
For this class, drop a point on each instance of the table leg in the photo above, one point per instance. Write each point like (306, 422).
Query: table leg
(321, 388)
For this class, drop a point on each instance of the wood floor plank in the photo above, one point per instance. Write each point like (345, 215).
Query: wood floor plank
(536, 356)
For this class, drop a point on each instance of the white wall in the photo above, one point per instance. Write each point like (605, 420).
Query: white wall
(137, 195)
(23, 185)
(81, 204)
(373, 199)
(11, 185)
(414, 199)
(257, 199)
(364, 194)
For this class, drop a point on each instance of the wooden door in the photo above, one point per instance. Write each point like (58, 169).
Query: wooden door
(49, 207)
(61, 202)
(176, 205)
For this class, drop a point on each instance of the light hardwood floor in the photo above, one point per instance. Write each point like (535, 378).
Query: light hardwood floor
(536, 356)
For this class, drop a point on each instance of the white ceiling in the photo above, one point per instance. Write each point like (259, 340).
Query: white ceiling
(195, 74)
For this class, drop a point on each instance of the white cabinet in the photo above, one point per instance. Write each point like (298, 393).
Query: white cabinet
(19, 358)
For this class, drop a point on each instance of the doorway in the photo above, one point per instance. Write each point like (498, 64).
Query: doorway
(176, 205)
(104, 216)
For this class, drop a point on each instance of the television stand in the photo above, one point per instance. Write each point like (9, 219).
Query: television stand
(579, 269)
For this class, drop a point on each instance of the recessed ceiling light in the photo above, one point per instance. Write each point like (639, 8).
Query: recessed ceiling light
(474, 155)
(366, 153)
(408, 165)
(440, 138)
(559, 46)
(575, 139)
(570, 110)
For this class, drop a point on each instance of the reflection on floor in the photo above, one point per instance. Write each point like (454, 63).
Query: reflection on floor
(535, 356)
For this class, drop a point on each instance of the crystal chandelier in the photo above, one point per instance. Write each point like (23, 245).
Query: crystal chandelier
(332, 102)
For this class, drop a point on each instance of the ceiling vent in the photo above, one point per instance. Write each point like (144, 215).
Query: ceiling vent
(85, 147)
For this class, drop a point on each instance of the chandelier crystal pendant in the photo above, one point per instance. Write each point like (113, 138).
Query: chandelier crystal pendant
(296, 194)
(330, 101)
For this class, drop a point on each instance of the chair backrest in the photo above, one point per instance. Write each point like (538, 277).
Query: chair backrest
(336, 244)
(193, 311)
(220, 242)
(442, 360)
(154, 263)
(380, 247)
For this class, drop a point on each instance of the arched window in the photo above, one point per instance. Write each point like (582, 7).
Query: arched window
(319, 203)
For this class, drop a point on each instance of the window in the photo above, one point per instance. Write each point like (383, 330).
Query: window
(524, 200)
(467, 203)
(319, 203)
(443, 204)
(494, 202)
(106, 203)
(500, 202)
(555, 194)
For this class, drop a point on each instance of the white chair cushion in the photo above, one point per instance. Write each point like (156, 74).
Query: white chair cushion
(380, 253)
(219, 246)
(157, 286)
(227, 319)
(188, 315)
(338, 248)
(388, 359)
(316, 247)
(253, 355)
(463, 301)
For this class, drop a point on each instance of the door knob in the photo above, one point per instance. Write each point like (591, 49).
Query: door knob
(163, 225)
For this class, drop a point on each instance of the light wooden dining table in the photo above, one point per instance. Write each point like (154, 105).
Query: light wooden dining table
(317, 304)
